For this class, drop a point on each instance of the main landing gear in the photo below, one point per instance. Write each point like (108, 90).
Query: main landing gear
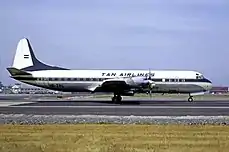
(190, 99)
(116, 98)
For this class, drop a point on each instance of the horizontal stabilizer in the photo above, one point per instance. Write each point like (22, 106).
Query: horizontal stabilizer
(15, 72)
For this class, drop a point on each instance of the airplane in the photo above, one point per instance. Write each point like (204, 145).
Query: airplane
(27, 68)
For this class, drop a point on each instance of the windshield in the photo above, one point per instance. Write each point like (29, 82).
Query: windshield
(199, 77)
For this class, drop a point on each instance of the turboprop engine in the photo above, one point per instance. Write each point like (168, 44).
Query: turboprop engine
(140, 82)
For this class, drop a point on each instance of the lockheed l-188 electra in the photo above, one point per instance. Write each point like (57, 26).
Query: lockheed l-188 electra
(28, 69)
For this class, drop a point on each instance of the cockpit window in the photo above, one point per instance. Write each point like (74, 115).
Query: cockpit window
(199, 77)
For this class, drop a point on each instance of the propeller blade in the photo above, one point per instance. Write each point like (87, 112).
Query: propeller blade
(150, 93)
(151, 85)
(149, 74)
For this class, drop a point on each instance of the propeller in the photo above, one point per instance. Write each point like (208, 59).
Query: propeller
(150, 85)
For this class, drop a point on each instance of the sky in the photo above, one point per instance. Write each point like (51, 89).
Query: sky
(120, 34)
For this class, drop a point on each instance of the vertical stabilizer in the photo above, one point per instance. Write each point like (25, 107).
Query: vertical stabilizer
(26, 60)
(22, 57)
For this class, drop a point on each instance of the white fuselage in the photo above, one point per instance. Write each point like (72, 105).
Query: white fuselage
(29, 69)
(166, 81)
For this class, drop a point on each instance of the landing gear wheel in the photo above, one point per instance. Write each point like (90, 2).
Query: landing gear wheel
(190, 99)
(116, 99)
(119, 98)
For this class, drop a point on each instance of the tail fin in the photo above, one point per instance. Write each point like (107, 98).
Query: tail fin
(26, 60)
(22, 58)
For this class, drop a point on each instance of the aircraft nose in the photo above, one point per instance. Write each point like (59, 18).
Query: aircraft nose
(208, 86)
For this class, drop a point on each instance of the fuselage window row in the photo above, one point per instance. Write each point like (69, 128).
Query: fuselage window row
(71, 79)
(102, 79)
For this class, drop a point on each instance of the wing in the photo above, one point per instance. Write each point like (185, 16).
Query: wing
(120, 84)
(116, 84)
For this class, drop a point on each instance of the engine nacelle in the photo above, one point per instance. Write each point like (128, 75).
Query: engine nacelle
(139, 81)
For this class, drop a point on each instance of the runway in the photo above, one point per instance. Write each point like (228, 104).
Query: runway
(127, 108)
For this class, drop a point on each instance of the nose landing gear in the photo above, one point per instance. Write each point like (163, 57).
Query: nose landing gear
(190, 99)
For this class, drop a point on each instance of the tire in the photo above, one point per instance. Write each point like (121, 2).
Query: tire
(190, 99)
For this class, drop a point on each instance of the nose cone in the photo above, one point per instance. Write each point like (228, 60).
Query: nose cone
(208, 85)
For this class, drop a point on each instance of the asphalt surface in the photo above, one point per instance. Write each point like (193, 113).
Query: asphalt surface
(127, 108)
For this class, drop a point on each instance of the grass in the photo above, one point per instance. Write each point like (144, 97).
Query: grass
(113, 138)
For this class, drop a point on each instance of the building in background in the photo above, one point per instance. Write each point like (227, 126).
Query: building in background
(219, 90)
(16, 88)
(25, 89)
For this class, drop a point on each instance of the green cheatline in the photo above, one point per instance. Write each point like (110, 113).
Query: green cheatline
(111, 138)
